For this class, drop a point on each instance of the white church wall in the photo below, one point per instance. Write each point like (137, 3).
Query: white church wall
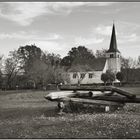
(105, 67)
(86, 80)
(114, 62)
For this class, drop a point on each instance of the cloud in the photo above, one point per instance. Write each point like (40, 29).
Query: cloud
(22, 35)
(128, 38)
(121, 29)
(51, 46)
(122, 33)
(103, 30)
(88, 41)
(129, 24)
(24, 13)
(100, 3)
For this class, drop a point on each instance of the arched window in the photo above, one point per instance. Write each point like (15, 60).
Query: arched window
(74, 75)
(90, 75)
(111, 55)
(82, 75)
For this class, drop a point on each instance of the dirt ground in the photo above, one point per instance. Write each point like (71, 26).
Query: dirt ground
(26, 114)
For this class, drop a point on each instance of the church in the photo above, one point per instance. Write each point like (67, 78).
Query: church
(110, 62)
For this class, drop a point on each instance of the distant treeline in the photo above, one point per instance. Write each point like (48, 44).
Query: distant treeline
(30, 67)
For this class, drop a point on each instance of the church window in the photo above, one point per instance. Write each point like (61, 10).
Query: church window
(82, 75)
(111, 55)
(74, 75)
(90, 75)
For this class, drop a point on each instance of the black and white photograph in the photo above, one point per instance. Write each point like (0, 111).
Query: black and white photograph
(69, 70)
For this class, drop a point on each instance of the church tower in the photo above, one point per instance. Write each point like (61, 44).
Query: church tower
(113, 54)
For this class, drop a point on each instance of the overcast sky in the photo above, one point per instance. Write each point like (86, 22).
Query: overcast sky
(58, 26)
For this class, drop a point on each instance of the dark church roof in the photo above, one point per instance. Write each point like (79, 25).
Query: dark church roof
(113, 42)
(98, 64)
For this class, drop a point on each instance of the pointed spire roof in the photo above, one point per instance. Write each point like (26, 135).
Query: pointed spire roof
(113, 42)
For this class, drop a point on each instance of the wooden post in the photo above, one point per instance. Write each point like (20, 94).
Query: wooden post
(61, 107)
(107, 108)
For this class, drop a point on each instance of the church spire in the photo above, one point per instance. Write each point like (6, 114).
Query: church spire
(113, 42)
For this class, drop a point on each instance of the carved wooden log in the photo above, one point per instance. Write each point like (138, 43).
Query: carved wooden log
(102, 89)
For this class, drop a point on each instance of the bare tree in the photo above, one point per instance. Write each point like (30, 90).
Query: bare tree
(65, 77)
(100, 53)
(128, 62)
(1, 67)
(138, 62)
(12, 67)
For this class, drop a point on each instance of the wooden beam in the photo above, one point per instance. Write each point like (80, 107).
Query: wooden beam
(95, 102)
(117, 99)
(124, 93)
(86, 88)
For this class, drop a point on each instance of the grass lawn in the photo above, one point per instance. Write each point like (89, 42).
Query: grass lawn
(26, 114)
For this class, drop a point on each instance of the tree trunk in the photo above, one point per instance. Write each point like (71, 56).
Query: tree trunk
(112, 83)
(34, 84)
(78, 83)
(120, 83)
